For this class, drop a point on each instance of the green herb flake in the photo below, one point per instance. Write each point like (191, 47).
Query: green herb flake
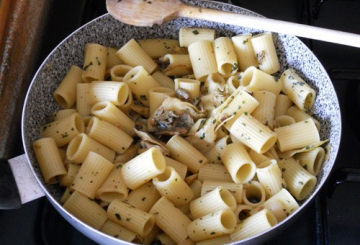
(143, 97)
(195, 32)
(235, 67)
(246, 40)
(86, 67)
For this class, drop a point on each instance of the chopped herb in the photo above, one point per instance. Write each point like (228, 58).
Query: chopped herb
(118, 216)
(213, 233)
(195, 32)
(128, 219)
(143, 97)
(246, 40)
(301, 183)
(235, 67)
(90, 64)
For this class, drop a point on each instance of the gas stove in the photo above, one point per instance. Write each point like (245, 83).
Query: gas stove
(334, 215)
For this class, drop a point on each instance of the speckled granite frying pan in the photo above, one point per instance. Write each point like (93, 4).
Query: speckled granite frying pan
(110, 32)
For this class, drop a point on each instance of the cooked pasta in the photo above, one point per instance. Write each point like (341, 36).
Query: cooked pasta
(182, 145)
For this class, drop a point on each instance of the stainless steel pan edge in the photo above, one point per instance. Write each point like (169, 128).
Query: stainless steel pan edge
(292, 53)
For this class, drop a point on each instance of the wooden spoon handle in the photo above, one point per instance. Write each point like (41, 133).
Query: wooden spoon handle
(272, 25)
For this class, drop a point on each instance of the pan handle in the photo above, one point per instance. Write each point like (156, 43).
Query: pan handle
(26, 188)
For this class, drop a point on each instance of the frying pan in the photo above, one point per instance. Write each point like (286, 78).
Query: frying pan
(107, 31)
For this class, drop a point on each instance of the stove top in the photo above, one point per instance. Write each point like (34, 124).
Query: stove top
(333, 217)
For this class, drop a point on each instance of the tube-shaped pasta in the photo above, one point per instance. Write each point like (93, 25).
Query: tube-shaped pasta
(254, 79)
(95, 56)
(265, 52)
(143, 168)
(113, 186)
(235, 105)
(238, 162)
(163, 238)
(86, 210)
(214, 154)
(282, 204)
(283, 120)
(242, 212)
(63, 131)
(163, 80)
(82, 105)
(178, 65)
(171, 185)
(112, 58)
(214, 224)
(311, 160)
(144, 197)
(157, 96)
(184, 152)
(216, 172)
(61, 114)
(214, 83)
(254, 193)
(129, 154)
(72, 170)
(255, 224)
(196, 189)
(149, 238)
(225, 55)
(133, 55)
(300, 115)
(107, 111)
(140, 82)
(257, 157)
(233, 82)
(297, 135)
(49, 159)
(299, 181)
(115, 92)
(235, 189)
(224, 239)
(266, 109)
(270, 176)
(253, 133)
(92, 174)
(190, 85)
(65, 93)
(113, 229)
(118, 72)
(180, 168)
(283, 103)
(214, 200)
(170, 219)
(80, 146)
(65, 196)
(109, 135)
(244, 51)
(130, 217)
(158, 47)
(188, 36)
(203, 59)
(298, 90)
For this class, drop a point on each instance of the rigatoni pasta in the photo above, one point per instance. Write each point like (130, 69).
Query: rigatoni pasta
(186, 156)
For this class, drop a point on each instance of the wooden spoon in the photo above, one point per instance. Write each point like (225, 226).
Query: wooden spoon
(150, 12)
